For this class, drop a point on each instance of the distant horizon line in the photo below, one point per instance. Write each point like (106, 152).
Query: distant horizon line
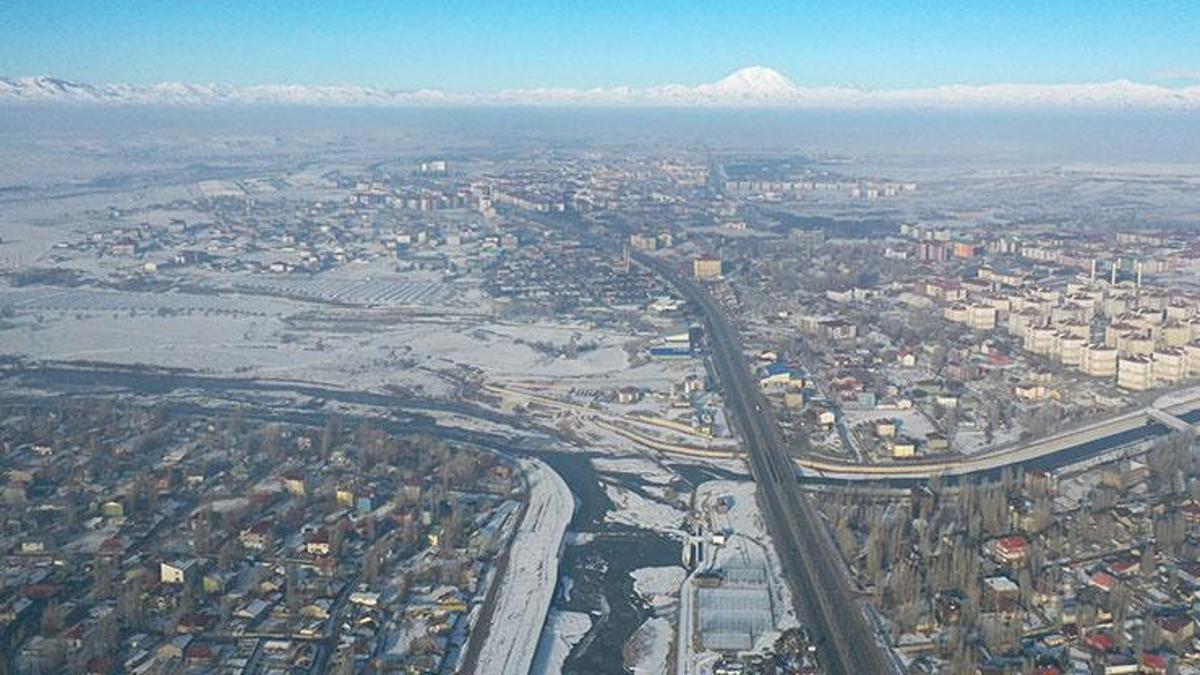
(751, 87)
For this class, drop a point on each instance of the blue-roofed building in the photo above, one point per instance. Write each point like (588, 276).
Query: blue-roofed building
(671, 353)
(775, 374)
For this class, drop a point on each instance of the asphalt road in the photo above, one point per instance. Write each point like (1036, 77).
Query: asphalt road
(846, 643)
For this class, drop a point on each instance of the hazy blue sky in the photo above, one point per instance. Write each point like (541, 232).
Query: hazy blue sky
(487, 46)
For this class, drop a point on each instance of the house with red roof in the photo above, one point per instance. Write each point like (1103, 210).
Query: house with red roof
(1009, 550)
(1155, 663)
(1191, 512)
(1102, 580)
(1125, 567)
(1100, 642)
(197, 654)
(316, 543)
(74, 636)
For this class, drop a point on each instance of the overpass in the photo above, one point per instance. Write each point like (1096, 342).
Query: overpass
(1103, 436)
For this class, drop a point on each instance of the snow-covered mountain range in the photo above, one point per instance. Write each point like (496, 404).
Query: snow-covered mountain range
(756, 86)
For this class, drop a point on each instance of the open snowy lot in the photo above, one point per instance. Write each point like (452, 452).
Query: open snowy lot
(371, 292)
(260, 336)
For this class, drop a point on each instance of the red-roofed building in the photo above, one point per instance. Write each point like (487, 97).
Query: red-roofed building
(316, 543)
(198, 654)
(194, 622)
(412, 488)
(112, 546)
(948, 290)
(1009, 550)
(1124, 567)
(74, 636)
(1099, 642)
(1155, 663)
(1102, 580)
(1188, 572)
(40, 591)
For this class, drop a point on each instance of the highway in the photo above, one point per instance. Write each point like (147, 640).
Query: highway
(846, 643)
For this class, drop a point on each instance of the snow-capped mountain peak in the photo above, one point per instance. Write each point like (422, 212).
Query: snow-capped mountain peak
(753, 82)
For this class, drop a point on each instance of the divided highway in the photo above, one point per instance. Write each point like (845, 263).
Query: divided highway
(846, 643)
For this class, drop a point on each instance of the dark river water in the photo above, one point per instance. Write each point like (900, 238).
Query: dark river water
(599, 570)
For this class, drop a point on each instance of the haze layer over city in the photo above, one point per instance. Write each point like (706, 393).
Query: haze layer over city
(806, 339)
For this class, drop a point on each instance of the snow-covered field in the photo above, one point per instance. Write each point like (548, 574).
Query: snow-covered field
(87, 300)
(269, 337)
(374, 292)
(911, 423)
(975, 442)
(527, 586)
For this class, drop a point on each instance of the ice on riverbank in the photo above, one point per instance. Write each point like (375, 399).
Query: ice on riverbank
(562, 632)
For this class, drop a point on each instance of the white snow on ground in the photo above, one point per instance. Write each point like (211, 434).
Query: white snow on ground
(658, 585)
(258, 336)
(410, 631)
(633, 509)
(527, 586)
(494, 347)
(912, 423)
(669, 495)
(450, 419)
(652, 376)
(640, 466)
(650, 647)
(562, 632)
(975, 442)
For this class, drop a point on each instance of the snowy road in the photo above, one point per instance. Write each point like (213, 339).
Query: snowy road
(528, 584)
